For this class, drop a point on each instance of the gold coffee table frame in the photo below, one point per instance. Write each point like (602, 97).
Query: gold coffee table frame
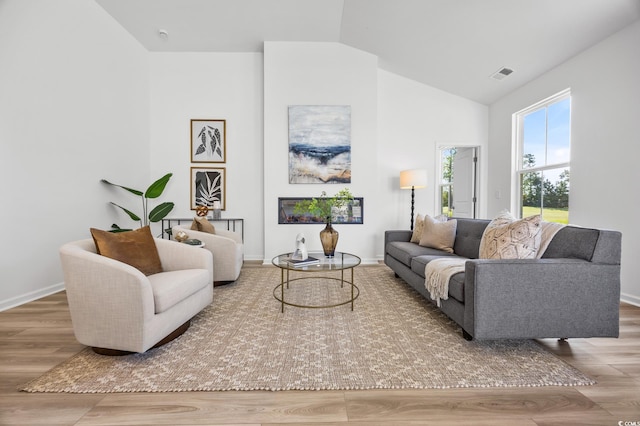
(339, 262)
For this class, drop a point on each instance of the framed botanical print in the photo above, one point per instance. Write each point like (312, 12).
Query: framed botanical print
(208, 141)
(208, 187)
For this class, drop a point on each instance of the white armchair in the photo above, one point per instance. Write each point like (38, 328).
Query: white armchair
(116, 309)
(227, 249)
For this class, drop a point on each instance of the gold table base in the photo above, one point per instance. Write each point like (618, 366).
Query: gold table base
(355, 291)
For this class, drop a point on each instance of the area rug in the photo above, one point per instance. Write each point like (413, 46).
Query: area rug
(393, 339)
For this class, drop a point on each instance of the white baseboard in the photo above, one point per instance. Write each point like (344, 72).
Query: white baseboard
(630, 299)
(30, 297)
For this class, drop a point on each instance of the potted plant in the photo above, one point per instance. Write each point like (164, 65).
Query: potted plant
(153, 191)
(324, 207)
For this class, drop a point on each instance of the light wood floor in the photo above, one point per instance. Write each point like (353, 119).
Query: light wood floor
(37, 336)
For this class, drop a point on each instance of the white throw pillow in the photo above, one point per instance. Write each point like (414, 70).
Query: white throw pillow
(439, 235)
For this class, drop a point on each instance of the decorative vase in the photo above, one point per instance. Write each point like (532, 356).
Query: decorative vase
(329, 240)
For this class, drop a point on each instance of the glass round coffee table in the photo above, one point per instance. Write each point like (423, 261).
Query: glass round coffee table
(290, 272)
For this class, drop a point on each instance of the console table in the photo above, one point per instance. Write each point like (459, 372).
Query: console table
(232, 224)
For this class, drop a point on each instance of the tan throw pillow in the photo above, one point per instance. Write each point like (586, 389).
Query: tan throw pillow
(439, 235)
(417, 229)
(135, 248)
(203, 225)
(508, 238)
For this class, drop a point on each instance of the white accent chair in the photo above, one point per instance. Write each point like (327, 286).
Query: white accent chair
(116, 309)
(226, 247)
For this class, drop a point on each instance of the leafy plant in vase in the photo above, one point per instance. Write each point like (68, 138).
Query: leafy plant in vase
(153, 191)
(323, 207)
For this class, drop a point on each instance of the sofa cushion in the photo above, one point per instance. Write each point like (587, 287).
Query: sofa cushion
(170, 288)
(456, 283)
(468, 237)
(456, 287)
(418, 263)
(438, 234)
(135, 248)
(404, 251)
(507, 238)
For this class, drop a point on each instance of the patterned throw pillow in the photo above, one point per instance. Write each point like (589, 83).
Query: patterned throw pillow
(439, 235)
(508, 238)
(417, 229)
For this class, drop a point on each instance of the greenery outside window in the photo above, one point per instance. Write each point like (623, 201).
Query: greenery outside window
(542, 166)
(446, 181)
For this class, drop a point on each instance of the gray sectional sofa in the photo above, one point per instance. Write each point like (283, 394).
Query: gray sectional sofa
(572, 291)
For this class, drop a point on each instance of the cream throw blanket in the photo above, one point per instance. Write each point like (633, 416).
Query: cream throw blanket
(438, 272)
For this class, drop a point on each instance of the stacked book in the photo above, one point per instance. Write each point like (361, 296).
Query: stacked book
(298, 263)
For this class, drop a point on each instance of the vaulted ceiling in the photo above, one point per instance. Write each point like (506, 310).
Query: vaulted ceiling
(453, 45)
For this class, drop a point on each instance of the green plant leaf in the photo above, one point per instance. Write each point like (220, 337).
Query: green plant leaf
(131, 214)
(133, 191)
(115, 231)
(160, 211)
(157, 187)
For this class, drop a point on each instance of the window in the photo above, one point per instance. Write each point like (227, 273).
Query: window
(542, 166)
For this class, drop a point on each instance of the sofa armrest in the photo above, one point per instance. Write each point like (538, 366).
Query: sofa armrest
(227, 250)
(541, 298)
(176, 256)
(397, 235)
(236, 237)
(91, 280)
(220, 242)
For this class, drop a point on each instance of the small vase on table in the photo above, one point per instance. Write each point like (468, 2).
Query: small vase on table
(329, 240)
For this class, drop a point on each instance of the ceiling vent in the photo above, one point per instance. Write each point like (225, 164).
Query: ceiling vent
(501, 73)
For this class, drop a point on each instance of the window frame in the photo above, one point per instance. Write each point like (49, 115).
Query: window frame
(518, 147)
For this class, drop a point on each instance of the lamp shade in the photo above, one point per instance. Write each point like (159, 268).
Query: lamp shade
(414, 178)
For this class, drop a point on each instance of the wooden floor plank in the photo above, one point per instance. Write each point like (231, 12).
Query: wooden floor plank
(22, 409)
(514, 403)
(216, 407)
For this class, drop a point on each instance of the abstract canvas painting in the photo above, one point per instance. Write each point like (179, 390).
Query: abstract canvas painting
(319, 144)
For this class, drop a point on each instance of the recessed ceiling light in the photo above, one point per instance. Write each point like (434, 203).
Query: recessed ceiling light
(163, 34)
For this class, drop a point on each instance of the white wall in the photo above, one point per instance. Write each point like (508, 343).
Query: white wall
(605, 141)
(319, 74)
(414, 120)
(396, 124)
(228, 86)
(73, 110)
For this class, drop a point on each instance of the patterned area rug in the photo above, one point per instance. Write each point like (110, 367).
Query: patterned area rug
(394, 339)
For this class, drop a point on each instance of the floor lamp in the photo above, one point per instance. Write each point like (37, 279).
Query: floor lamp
(415, 178)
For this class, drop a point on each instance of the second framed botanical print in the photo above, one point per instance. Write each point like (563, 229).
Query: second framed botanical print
(208, 187)
(208, 141)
